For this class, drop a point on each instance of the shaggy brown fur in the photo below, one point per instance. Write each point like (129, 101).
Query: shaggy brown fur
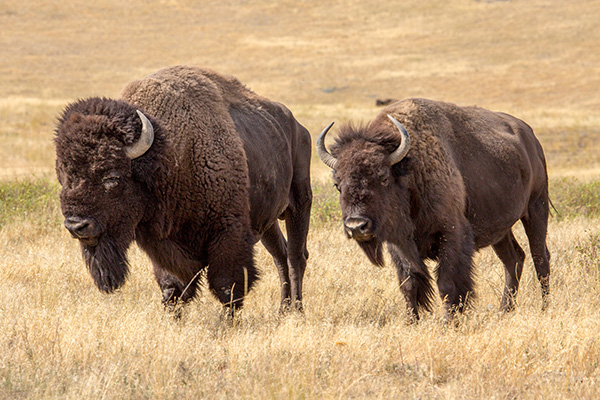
(469, 175)
(224, 165)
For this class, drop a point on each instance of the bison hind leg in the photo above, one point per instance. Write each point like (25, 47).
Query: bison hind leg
(536, 228)
(290, 257)
(276, 245)
(513, 257)
(297, 219)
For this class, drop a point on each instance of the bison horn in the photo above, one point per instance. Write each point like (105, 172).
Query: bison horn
(404, 146)
(324, 155)
(144, 142)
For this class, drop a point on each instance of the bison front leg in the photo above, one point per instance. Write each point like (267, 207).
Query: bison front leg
(231, 271)
(173, 290)
(455, 268)
(414, 279)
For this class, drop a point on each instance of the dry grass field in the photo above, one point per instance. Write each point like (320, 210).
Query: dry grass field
(61, 338)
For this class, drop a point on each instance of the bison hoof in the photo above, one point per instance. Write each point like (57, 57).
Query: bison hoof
(454, 316)
(173, 307)
(298, 307)
(173, 302)
(413, 318)
(229, 298)
(545, 303)
(507, 306)
(228, 314)
(170, 297)
(288, 307)
(176, 312)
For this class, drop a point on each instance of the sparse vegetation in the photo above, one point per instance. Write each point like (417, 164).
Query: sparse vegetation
(29, 199)
(326, 207)
(61, 338)
(572, 197)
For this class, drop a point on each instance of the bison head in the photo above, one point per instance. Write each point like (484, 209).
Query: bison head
(96, 143)
(364, 162)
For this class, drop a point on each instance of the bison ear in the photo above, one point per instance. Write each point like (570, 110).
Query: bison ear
(402, 168)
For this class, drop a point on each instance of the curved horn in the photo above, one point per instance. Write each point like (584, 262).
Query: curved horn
(402, 150)
(144, 142)
(324, 155)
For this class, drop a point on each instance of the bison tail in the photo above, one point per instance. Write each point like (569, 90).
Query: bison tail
(554, 208)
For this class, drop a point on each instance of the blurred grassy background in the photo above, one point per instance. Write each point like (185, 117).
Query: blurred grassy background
(538, 60)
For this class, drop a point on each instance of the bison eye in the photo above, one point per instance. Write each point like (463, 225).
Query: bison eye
(385, 181)
(111, 181)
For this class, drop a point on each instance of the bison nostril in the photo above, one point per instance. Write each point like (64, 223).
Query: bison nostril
(80, 227)
(357, 227)
(365, 227)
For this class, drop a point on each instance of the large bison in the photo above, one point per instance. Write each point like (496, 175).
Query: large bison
(436, 181)
(194, 167)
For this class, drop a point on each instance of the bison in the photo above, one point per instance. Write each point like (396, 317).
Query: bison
(195, 168)
(384, 102)
(436, 181)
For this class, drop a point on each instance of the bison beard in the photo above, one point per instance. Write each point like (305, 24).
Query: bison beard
(373, 249)
(107, 263)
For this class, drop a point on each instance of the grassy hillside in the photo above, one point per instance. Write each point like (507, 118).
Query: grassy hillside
(537, 60)
(326, 61)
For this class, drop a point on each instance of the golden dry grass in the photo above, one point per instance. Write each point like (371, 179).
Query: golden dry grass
(61, 338)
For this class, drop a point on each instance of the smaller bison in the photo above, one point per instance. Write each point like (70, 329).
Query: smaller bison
(384, 102)
(195, 168)
(436, 181)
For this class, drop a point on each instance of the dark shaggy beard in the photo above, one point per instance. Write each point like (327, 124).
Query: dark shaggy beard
(107, 263)
(374, 250)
